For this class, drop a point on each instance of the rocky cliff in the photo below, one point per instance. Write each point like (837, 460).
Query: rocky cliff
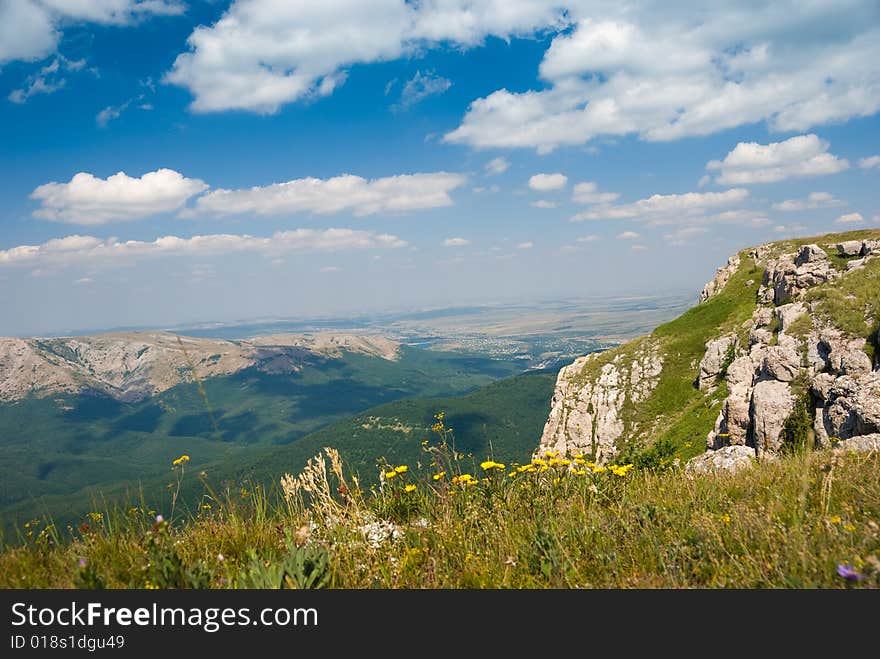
(780, 349)
(131, 366)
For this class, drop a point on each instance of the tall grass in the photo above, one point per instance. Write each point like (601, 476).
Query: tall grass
(445, 522)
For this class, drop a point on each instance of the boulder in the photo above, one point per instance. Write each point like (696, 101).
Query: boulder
(712, 364)
(730, 459)
(810, 254)
(853, 406)
(772, 402)
(788, 313)
(861, 444)
(780, 363)
(849, 248)
(759, 337)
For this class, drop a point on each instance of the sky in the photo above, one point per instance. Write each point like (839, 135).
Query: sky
(165, 162)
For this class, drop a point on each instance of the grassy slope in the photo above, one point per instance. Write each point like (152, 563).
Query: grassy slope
(786, 524)
(503, 420)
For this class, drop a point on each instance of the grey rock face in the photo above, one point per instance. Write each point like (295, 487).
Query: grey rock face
(712, 364)
(772, 403)
(852, 406)
(849, 248)
(810, 254)
(585, 412)
(780, 363)
(722, 276)
(730, 459)
(862, 444)
(788, 313)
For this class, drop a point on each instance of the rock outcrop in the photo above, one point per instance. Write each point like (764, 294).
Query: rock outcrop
(134, 365)
(788, 361)
(585, 414)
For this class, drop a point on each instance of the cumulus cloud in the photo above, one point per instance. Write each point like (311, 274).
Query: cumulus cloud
(96, 251)
(396, 194)
(870, 162)
(627, 235)
(526, 245)
(543, 203)
(456, 242)
(588, 193)
(676, 205)
(813, 200)
(262, 54)
(548, 182)
(497, 166)
(588, 239)
(420, 87)
(31, 29)
(850, 218)
(666, 72)
(87, 199)
(797, 157)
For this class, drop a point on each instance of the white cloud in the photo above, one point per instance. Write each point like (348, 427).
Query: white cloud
(331, 268)
(548, 182)
(405, 192)
(813, 200)
(497, 166)
(420, 87)
(588, 239)
(83, 281)
(666, 72)
(96, 251)
(262, 54)
(456, 242)
(31, 29)
(676, 205)
(86, 199)
(627, 235)
(110, 113)
(850, 218)
(870, 162)
(543, 203)
(682, 236)
(526, 245)
(47, 80)
(588, 193)
(797, 157)
(638, 248)
(790, 229)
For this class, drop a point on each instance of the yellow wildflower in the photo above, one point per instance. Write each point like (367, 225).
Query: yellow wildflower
(410, 488)
(439, 476)
(488, 465)
(183, 458)
(725, 518)
(578, 456)
(598, 469)
(390, 474)
(550, 454)
(849, 527)
(402, 469)
(835, 519)
(539, 462)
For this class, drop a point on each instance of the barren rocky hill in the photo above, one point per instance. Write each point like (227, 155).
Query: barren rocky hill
(781, 349)
(131, 366)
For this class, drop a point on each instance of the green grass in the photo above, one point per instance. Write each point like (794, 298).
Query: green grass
(852, 302)
(786, 524)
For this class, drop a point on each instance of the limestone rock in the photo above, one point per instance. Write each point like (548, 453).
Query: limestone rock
(849, 248)
(712, 364)
(788, 313)
(780, 363)
(730, 459)
(722, 276)
(810, 254)
(861, 444)
(772, 402)
(759, 336)
(852, 406)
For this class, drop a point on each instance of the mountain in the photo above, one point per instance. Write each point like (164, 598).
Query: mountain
(780, 351)
(131, 366)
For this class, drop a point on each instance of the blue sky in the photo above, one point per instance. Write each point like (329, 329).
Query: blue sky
(167, 162)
